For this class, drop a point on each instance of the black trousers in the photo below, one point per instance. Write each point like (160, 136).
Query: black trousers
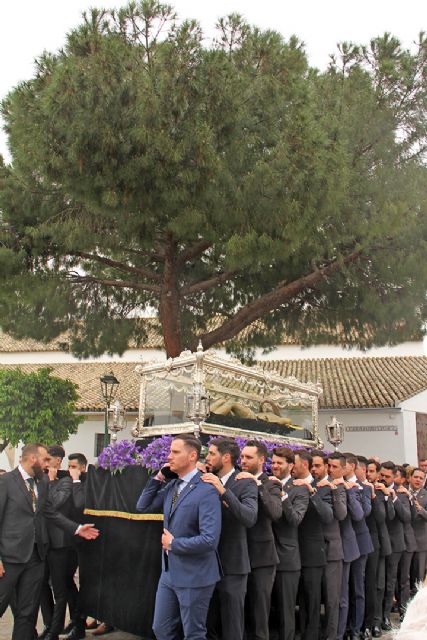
(331, 587)
(63, 564)
(310, 595)
(285, 591)
(22, 582)
(258, 600)
(226, 615)
(403, 580)
(357, 594)
(46, 598)
(371, 588)
(391, 565)
(419, 565)
(379, 600)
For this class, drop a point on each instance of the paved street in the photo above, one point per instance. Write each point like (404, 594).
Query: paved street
(6, 630)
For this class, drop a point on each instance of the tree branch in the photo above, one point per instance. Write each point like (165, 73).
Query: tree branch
(204, 285)
(121, 284)
(193, 252)
(283, 293)
(145, 273)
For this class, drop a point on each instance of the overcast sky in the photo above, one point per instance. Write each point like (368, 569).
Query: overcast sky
(28, 27)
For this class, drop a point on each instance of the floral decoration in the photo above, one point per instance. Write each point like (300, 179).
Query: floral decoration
(119, 455)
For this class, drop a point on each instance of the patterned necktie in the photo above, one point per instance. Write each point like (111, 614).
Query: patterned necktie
(31, 484)
(176, 492)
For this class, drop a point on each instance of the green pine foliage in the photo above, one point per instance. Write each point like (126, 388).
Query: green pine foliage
(36, 407)
(153, 170)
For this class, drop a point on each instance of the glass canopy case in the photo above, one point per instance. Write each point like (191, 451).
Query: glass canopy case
(202, 392)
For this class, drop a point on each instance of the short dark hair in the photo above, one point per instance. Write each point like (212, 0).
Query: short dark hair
(372, 461)
(401, 470)
(190, 442)
(31, 449)
(260, 447)
(80, 457)
(337, 455)
(306, 456)
(227, 445)
(285, 452)
(350, 458)
(56, 451)
(318, 454)
(412, 471)
(388, 464)
(362, 460)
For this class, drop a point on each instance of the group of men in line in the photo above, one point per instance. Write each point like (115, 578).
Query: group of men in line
(243, 551)
(40, 508)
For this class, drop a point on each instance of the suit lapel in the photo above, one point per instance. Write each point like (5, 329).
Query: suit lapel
(19, 480)
(184, 493)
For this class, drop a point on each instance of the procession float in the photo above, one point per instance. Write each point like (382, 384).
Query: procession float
(200, 393)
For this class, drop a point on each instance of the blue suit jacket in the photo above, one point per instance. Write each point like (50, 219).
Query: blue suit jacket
(194, 522)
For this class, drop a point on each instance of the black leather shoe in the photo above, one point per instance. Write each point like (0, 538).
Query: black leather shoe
(366, 634)
(51, 636)
(386, 624)
(376, 632)
(43, 634)
(354, 636)
(76, 634)
(70, 626)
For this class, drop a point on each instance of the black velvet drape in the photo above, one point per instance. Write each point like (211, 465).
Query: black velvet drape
(120, 570)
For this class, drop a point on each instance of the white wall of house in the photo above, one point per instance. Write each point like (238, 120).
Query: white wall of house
(284, 352)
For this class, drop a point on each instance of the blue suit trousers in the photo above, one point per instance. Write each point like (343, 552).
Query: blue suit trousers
(180, 609)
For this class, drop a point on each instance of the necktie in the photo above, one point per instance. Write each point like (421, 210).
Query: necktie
(31, 484)
(177, 491)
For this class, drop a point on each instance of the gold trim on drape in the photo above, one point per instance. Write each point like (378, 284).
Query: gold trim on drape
(123, 514)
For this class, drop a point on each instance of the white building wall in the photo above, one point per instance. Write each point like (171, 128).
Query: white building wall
(369, 432)
(285, 352)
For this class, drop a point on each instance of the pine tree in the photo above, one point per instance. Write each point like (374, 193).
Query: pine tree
(219, 185)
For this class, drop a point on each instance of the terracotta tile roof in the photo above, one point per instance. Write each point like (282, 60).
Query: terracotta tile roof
(346, 382)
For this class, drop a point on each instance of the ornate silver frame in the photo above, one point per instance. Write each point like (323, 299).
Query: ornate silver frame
(201, 364)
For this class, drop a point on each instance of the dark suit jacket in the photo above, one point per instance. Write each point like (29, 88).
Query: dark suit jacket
(195, 523)
(395, 526)
(354, 514)
(64, 494)
(261, 544)
(20, 527)
(332, 531)
(408, 530)
(376, 519)
(311, 534)
(364, 540)
(285, 529)
(420, 521)
(239, 512)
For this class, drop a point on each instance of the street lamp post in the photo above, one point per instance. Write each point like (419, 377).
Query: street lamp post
(109, 387)
(335, 432)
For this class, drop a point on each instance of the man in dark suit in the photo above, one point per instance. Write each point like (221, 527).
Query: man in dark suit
(67, 497)
(312, 546)
(294, 506)
(239, 508)
(262, 548)
(192, 521)
(419, 496)
(364, 542)
(422, 464)
(397, 537)
(336, 469)
(375, 564)
(332, 574)
(24, 508)
(404, 568)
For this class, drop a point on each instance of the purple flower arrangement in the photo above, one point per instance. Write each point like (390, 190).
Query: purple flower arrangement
(124, 453)
(119, 455)
(155, 455)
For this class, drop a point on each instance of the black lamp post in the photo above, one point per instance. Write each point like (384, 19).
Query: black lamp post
(109, 387)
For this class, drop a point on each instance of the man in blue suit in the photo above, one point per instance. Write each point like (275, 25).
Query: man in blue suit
(192, 526)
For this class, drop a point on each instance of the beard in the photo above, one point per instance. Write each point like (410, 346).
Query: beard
(38, 471)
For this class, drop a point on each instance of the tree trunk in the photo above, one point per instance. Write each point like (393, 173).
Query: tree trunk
(169, 305)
